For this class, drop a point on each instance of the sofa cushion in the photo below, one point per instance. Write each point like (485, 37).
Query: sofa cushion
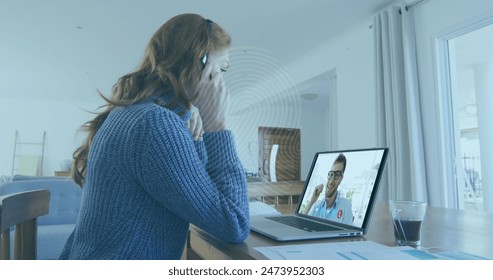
(51, 239)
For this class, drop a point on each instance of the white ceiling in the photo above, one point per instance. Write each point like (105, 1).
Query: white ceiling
(97, 41)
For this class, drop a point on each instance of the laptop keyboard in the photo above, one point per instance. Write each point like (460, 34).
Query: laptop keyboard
(303, 224)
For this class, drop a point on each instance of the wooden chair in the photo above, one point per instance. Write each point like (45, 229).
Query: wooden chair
(21, 210)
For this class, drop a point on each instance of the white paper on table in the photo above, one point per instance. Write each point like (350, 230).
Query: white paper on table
(352, 250)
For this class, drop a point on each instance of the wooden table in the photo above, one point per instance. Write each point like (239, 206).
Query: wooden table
(446, 229)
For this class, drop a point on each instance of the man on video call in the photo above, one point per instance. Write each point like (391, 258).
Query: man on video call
(333, 207)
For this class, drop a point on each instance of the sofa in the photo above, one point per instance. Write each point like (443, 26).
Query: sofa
(55, 227)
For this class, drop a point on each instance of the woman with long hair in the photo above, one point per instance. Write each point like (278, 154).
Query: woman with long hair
(159, 156)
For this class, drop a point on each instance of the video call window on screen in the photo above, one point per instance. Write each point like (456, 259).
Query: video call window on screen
(347, 189)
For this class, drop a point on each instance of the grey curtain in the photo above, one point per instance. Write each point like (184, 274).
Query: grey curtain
(399, 110)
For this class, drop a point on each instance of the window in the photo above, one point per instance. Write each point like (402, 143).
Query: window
(470, 88)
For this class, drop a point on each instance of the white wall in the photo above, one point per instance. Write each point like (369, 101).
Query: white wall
(314, 124)
(352, 57)
(434, 18)
(31, 117)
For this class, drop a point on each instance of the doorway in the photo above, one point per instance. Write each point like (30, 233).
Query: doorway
(279, 154)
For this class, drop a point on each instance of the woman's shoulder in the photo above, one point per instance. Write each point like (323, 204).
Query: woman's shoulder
(151, 107)
(146, 106)
(142, 115)
(144, 109)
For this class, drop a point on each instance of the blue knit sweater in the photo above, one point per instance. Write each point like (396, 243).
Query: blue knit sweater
(147, 179)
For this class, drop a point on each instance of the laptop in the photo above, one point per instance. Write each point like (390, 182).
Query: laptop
(337, 199)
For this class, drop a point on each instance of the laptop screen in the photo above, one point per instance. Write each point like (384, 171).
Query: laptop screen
(342, 185)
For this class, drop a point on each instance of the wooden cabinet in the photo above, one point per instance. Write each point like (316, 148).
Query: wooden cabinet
(62, 173)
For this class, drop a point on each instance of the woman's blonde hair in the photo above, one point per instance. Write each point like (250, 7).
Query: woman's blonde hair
(172, 63)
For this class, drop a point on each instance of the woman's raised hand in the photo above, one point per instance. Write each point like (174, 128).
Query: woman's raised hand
(212, 99)
(195, 124)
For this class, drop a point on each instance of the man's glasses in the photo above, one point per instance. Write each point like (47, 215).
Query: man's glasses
(334, 174)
